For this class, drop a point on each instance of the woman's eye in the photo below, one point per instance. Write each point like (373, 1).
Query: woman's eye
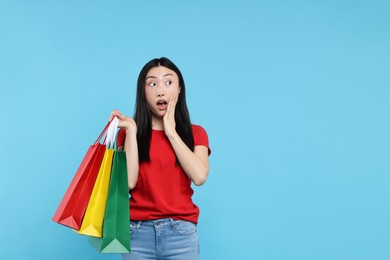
(151, 84)
(169, 82)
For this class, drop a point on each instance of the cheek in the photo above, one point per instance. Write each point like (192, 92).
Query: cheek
(175, 91)
(149, 100)
(148, 93)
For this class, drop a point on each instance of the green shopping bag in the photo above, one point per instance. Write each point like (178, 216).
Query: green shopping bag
(116, 225)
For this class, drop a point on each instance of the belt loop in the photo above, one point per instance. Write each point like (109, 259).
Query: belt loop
(138, 224)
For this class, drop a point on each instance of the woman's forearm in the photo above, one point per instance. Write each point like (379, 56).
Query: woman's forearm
(131, 149)
(195, 164)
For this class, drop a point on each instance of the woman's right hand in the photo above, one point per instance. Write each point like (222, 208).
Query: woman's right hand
(124, 121)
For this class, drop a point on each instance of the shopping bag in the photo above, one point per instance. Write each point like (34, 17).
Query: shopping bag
(71, 210)
(92, 224)
(116, 225)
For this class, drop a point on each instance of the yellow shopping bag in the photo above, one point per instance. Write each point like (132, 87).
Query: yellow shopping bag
(92, 224)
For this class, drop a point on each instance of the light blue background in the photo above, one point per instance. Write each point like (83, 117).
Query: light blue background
(294, 96)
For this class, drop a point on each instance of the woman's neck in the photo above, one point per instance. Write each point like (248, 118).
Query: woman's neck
(157, 123)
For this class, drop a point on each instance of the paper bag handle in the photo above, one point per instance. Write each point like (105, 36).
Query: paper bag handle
(103, 132)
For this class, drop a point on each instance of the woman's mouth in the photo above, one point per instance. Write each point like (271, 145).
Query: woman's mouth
(162, 105)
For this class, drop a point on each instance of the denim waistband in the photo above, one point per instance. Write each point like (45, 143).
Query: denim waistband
(155, 222)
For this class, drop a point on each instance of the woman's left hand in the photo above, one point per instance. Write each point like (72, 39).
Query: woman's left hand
(169, 117)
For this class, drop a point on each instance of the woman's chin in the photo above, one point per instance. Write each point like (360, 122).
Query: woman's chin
(159, 114)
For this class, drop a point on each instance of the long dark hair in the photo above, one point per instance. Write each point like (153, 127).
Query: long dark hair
(143, 115)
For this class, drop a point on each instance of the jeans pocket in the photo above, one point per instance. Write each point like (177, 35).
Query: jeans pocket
(134, 226)
(184, 227)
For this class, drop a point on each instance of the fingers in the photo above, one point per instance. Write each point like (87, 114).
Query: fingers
(175, 99)
(115, 113)
(169, 117)
(172, 104)
(128, 123)
(124, 124)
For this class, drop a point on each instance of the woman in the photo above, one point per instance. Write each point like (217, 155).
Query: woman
(165, 153)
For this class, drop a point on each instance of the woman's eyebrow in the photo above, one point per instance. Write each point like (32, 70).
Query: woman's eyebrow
(154, 77)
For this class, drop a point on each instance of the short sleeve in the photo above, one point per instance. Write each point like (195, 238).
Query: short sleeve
(200, 137)
(121, 137)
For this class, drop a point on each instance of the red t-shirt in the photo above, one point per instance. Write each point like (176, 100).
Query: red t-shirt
(163, 189)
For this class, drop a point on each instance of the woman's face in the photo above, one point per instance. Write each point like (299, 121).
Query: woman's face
(161, 84)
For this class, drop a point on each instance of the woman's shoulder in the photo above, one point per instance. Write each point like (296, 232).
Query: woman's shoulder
(200, 136)
(197, 128)
(199, 132)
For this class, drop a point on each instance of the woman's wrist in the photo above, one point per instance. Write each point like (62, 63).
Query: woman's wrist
(172, 136)
(131, 130)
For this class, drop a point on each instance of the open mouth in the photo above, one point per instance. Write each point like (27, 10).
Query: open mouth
(162, 105)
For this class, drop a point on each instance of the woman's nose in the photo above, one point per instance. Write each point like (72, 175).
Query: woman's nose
(160, 91)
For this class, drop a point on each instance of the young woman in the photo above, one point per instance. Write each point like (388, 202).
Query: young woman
(165, 153)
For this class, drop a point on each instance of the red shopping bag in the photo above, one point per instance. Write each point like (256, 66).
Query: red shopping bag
(71, 210)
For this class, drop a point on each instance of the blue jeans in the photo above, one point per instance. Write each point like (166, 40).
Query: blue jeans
(163, 239)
